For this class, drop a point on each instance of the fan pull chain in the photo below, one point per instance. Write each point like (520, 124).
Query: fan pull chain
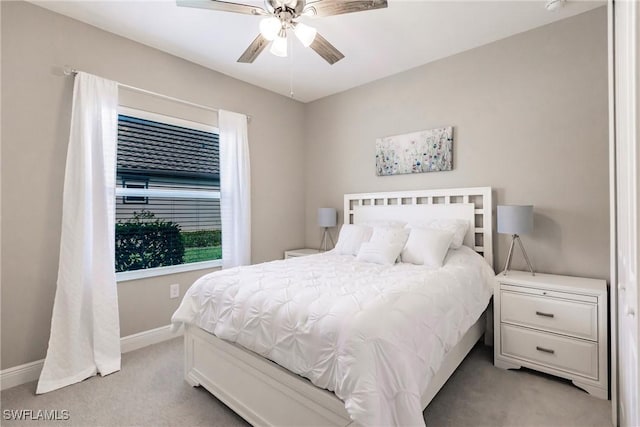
(290, 40)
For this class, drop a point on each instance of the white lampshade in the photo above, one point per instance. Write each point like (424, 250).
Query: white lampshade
(305, 34)
(279, 46)
(327, 217)
(270, 27)
(515, 219)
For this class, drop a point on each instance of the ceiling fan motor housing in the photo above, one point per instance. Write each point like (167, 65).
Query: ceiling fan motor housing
(294, 7)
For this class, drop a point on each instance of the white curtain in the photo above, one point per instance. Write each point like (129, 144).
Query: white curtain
(85, 329)
(235, 189)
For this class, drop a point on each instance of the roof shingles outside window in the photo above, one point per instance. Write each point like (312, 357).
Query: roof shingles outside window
(159, 149)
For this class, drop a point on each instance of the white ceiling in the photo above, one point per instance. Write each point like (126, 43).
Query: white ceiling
(376, 43)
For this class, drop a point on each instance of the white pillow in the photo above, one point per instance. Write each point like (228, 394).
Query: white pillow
(427, 246)
(379, 253)
(458, 227)
(351, 237)
(385, 245)
(391, 235)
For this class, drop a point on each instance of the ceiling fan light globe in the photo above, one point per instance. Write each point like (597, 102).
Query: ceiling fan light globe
(305, 34)
(270, 27)
(279, 47)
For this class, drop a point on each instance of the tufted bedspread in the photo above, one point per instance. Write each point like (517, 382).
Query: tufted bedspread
(372, 334)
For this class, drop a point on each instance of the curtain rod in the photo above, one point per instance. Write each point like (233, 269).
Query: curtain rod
(68, 71)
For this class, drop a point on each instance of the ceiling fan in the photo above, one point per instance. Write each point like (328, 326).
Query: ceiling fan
(281, 16)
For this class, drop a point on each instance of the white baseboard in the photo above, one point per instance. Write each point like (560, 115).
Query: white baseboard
(145, 338)
(28, 372)
(17, 375)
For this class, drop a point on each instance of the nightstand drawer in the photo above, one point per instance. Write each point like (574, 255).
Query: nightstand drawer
(567, 354)
(575, 318)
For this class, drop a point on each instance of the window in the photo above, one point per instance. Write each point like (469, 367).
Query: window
(135, 183)
(167, 195)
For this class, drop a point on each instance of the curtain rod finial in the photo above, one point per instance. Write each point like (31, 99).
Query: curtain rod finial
(68, 70)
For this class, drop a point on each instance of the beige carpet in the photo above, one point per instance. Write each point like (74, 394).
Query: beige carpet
(150, 391)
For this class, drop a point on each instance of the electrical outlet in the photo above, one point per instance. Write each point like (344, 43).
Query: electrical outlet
(174, 290)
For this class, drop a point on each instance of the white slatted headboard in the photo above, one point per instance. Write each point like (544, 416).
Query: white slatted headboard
(409, 205)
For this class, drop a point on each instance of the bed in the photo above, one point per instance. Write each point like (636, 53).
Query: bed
(342, 328)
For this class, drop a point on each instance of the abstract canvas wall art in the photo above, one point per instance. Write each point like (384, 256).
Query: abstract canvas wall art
(424, 151)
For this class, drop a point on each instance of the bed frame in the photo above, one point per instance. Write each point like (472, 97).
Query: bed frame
(265, 394)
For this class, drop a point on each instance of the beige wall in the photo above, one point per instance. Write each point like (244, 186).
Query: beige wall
(530, 119)
(36, 102)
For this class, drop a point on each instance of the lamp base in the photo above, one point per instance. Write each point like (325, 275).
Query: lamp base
(323, 242)
(507, 264)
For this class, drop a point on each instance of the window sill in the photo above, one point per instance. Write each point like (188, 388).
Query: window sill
(162, 271)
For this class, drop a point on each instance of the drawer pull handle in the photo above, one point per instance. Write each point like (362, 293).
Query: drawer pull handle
(539, 313)
(545, 350)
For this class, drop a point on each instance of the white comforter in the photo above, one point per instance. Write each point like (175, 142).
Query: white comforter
(373, 334)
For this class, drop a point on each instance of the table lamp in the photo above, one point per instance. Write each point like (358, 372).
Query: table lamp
(327, 217)
(515, 220)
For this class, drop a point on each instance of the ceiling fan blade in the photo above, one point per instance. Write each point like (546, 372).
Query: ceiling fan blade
(338, 7)
(326, 50)
(255, 48)
(223, 6)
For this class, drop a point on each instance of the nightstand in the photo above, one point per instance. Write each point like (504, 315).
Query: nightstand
(553, 324)
(294, 253)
